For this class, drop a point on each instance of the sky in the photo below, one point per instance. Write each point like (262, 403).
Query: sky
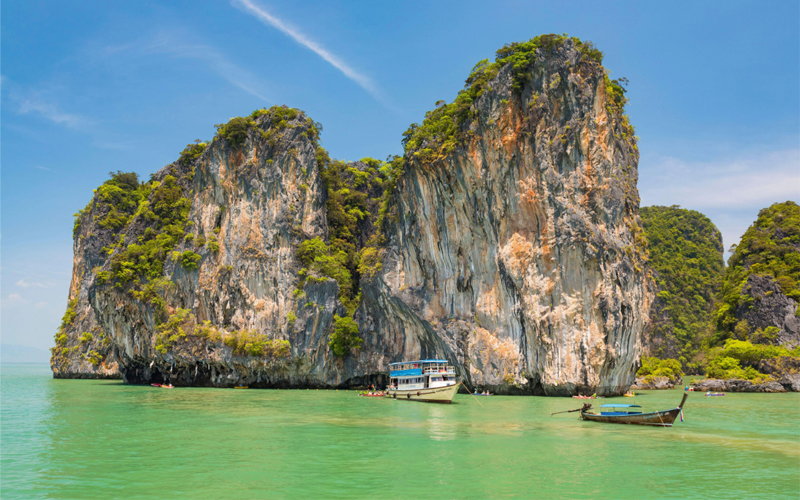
(91, 87)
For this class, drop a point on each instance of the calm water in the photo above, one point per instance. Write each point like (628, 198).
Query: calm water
(101, 439)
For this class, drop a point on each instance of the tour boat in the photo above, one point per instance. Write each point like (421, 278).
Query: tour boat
(430, 380)
(632, 414)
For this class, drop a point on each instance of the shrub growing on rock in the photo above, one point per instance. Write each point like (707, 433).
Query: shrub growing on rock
(345, 335)
(654, 367)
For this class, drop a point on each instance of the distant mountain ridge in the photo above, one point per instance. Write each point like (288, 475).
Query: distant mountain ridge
(12, 353)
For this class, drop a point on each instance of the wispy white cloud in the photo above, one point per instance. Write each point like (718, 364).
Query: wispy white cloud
(39, 102)
(44, 168)
(15, 298)
(50, 111)
(730, 191)
(24, 284)
(177, 44)
(746, 181)
(269, 20)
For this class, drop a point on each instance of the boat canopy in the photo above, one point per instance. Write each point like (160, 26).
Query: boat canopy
(619, 406)
(419, 361)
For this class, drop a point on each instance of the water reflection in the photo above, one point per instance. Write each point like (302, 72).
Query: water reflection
(441, 426)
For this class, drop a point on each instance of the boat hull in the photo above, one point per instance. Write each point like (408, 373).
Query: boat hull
(658, 418)
(434, 395)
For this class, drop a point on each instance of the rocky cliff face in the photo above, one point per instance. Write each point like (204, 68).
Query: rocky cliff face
(515, 253)
(768, 307)
(506, 242)
(761, 288)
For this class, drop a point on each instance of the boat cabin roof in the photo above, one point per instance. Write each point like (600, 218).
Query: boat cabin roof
(619, 406)
(419, 361)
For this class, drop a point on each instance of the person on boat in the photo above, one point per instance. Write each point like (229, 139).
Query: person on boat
(594, 396)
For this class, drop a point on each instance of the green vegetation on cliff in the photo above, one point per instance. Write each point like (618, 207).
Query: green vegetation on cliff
(357, 205)
(165, 213)
(740, 359)
(654, 367)
(770, 247)
(686, 252)
(446, 126)
(182, 328)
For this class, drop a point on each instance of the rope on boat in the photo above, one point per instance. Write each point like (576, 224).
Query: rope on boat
(470, 392)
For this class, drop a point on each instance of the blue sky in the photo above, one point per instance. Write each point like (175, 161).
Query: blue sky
(90, 87)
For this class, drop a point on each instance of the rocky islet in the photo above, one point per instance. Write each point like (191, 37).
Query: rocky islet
(506, 243)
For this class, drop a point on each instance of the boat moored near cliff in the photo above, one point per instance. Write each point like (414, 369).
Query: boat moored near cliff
(429, 380)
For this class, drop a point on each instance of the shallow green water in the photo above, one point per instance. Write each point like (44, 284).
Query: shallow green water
(101, 439)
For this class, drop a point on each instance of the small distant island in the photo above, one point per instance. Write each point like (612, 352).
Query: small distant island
(507, 238)
(739, 325)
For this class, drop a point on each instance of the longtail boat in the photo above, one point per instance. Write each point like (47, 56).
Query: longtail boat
(632, 414)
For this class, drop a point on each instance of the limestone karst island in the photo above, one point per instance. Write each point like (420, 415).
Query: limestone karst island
(507, 239)
(341, 250)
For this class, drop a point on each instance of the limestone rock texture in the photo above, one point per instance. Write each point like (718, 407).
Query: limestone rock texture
(655, 383)
(258, 200)
(516, 255)
(83, 350)
(738, 385)
(770, 307)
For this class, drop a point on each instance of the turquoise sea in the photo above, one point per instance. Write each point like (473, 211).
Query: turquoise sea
(87, 439)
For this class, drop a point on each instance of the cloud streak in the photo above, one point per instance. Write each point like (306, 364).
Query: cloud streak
(175, 44)
(49, 111)
(269, 20)
(34, 102)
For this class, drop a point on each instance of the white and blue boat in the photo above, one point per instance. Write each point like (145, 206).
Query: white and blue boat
(430, 380)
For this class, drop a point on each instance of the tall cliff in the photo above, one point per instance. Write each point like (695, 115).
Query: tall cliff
(506, 240)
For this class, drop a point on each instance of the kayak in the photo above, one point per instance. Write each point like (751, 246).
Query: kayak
(156, 385)
(582, 397)
(167, 386)
(716, 394)
(629, 395)
(374, 395)
(241, 387)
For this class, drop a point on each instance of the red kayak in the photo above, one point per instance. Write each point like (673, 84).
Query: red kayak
(156, 385)
(375, 395)
(582, 397)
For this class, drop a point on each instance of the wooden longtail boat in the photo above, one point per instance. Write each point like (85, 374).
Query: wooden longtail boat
(628, 414)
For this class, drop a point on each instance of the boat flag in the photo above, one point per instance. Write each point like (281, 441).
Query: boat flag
(681, 414)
